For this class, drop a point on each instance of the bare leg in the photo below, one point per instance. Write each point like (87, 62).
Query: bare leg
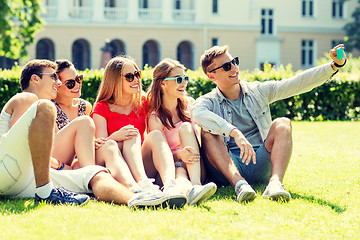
(77, 138)
(157, 157)
(110, 156)
(279, 144)
(188, 138)
(41, 137)
(106, 188)
(218, 155)
(132, 155)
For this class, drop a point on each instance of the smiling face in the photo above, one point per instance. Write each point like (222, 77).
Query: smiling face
(47, 86)
(224, 79)
(65, 75)
(133, 87)
(171, 88)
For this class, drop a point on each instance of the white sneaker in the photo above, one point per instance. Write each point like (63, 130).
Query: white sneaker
(275, 191)
(176, 199)
(147, 199)
(147, 185)
(199, 194)
(244, 191)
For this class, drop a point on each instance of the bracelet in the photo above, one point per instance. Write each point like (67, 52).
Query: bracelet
(62, 165)
(339, 66)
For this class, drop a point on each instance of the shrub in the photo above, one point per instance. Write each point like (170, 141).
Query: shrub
(337, 99)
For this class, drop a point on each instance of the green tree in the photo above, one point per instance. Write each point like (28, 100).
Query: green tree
(352, 30)
(19, 21)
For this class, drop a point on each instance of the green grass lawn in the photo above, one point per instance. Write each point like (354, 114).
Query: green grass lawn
(323, 178)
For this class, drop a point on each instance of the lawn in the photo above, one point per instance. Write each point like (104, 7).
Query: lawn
(323, 178)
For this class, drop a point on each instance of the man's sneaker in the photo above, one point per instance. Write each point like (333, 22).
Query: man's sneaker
(244, 191)
(275, 191)
(199, 193)
(147, 199)
(147, 185)
(175, 198)
(63, 196)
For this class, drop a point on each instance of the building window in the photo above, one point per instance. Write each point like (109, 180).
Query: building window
(151, 53)
(110, 3)
(78, 3)
(307, 53)
(185, 54)
(267, 21)
(7, 63)
(81, 54)
(45, 49)
(117, 48)
(144, 4)
(338, 9)
(307, 8)
(178, 4)
(215, 6)
(215, 42)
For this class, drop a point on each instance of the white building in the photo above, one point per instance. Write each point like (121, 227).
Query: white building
(276, 31)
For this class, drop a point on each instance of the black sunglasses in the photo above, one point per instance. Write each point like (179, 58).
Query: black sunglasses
(70, 84)
(131, 76)
(54, 75)
(227, 66)
(179, 79)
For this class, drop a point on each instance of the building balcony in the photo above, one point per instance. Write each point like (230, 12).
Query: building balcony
(150, 15)
(97, 12)
(115, 14)
(81, 14)
(184, 16)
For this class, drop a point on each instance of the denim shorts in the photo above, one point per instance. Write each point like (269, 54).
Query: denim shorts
(253, 173)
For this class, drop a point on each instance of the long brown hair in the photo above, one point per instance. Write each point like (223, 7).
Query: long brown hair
(162, 71)
(110, 89)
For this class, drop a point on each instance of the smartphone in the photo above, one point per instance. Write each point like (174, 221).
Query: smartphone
(339, 53)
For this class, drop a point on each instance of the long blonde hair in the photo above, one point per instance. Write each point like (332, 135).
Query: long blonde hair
(110, 89)
(161, 71)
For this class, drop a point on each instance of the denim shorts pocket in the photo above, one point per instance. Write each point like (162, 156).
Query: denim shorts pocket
(9, 173)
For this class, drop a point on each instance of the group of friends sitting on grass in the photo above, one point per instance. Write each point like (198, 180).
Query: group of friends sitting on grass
(142, 149)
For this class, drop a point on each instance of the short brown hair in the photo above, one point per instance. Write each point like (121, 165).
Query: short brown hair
(209, 55)
(35, 66)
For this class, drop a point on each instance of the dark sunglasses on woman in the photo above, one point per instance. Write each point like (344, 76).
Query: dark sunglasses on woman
(227, 66)
(179, 79)
(70, 84)
(131, 76)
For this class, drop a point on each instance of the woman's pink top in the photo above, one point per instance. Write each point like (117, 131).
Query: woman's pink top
(173, 137)
(116, 121)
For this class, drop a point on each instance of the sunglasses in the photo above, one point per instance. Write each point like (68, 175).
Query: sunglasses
(179, 79)
(54, 75)
(131, 76)
(227, 66)
(70, 84)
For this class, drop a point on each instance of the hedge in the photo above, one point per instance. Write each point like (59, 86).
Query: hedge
(337, 99)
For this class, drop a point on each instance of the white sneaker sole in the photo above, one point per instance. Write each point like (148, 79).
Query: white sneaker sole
(205, 194)
(279, 196)
(246, 197)
(174, 201)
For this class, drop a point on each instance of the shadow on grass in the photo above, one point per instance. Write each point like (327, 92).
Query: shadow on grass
(16, 206)
(229, 193)
(312, 199)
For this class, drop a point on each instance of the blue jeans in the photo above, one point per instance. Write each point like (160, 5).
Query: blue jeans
(253, 173)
